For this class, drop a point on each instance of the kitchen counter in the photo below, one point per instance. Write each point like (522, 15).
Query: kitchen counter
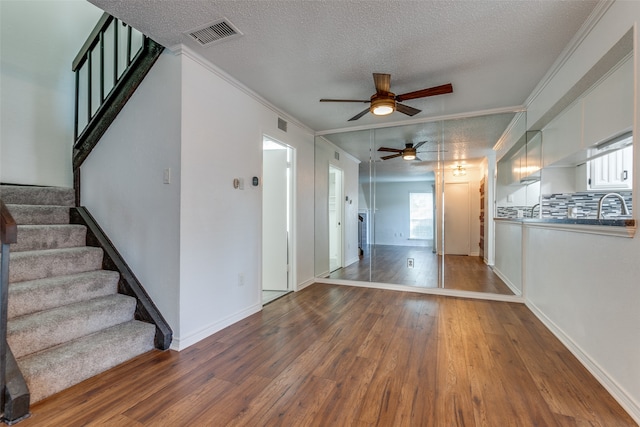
(618, 227)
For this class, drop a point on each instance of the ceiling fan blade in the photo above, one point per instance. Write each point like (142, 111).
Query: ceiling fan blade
(382, 82)
(432, 91)
(393, 150)
(344, 100)
(360, 114)
(391, 156)
(409, 111)
(419, 144)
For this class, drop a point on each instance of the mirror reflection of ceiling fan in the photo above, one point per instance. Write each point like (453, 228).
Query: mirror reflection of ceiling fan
(385, 102)
(409, 152)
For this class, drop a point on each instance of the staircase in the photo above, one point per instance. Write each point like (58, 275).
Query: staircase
(67, 321)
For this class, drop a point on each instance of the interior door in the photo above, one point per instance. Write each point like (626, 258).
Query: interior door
(457, 220)
(275, 249)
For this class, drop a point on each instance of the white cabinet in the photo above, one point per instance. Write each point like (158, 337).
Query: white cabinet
(608, 108)
(518, 164)
(612, 171)
(534, 155)
(563, 135)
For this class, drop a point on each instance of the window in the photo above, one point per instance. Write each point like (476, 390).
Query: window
(421, 215)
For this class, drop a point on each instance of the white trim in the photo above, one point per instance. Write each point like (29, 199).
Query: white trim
(342, 152)
(618, 393)
(429, 291)
(513, 109)
(586, 28)
(189, 53)
(180, 344)
(306, 283)
(506, 281)
(351, 261)
(603, 230)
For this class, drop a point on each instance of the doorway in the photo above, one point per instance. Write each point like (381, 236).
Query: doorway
(456, 218)
(277, 195)
(336, 217)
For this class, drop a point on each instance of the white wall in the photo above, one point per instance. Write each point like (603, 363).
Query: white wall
(221, 227)
(585, 287)
(122, 184)
(39, 40)
(189, 242)
(392, 212)
(508, 256)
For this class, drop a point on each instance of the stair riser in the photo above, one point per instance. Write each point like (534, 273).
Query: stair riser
(41, 237)
(84, 358)
(35, 332)
(36, 214)
(26, 195)
(40, 264)
(44, 294)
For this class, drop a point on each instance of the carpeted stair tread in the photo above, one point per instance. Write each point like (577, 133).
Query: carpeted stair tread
(32, 265)
(44, 294)
(35, 195)
(60, 367)
(41, 237)
(39, 214)
(35, 332)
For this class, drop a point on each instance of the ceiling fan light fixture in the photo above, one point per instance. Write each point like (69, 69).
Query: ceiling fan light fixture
(382, 106)
(409, 154)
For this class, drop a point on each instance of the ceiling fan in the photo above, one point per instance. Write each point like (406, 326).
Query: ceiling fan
(409, 152)
(385, 102)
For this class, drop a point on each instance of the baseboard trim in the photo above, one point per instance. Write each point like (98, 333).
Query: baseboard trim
(618, 393)
(351, 261)
(428, 291)
(179, 344)
(305, 284)
(507, 282)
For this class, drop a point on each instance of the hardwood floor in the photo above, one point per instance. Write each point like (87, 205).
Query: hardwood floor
(334, 355)
(388, 264)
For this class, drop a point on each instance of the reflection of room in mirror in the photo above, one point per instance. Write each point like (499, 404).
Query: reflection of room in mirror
(399, 239)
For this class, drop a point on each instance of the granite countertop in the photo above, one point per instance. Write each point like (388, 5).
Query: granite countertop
(616, 222)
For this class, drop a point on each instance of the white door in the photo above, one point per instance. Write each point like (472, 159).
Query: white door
(335, 218)
(275, 218)
(457, 220)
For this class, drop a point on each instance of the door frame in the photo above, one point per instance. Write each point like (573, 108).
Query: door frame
(340, 206)
(291, 211)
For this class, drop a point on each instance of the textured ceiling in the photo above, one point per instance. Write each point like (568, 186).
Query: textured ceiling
(293, 53)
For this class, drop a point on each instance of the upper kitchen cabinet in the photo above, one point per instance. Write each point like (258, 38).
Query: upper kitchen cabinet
(613, 171)
(531, 171)
(608, 108)
(563, 135)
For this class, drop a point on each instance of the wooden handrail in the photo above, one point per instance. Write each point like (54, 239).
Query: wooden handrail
(8, 226)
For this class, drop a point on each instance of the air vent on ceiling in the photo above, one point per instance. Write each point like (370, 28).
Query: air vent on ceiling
(214, 32)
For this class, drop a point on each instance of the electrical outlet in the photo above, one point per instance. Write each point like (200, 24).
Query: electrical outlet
(410, 262)
(241, 279)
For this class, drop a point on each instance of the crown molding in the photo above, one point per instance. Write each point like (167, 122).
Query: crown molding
(598, 12)
(183, 50)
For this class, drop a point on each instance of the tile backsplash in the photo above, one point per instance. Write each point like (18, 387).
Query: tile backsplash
(557, 206)
(585, 204)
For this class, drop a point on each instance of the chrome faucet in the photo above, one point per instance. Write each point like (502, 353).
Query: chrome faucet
(534, 208)
(625, 210)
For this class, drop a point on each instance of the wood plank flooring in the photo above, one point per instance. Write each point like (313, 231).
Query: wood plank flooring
(388, 264)
(347, 356)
